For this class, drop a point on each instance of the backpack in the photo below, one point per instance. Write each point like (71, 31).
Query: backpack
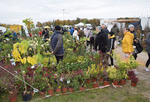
(139, 48)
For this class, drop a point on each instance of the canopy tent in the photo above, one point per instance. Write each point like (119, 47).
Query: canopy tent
(79, 24)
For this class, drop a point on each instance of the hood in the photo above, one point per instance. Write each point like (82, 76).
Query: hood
(129, 33)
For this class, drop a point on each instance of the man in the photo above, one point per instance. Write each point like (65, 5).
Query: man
(46, 36)
(56, 44)
(115, 29)
(135, 40)
(71, 31)
(131, 28)
(105, 30)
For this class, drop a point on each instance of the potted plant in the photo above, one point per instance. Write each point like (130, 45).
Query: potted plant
(114, 74)
(124, 77)
(82, 82)
(134, 81)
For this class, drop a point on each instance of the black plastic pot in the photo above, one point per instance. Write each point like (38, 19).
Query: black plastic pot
(26, 97)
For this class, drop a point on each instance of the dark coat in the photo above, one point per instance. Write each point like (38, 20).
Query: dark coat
(101, 42)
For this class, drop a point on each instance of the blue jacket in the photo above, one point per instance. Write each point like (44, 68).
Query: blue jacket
(71, 31)
(56, 44)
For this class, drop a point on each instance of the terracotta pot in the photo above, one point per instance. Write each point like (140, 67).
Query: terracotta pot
(12, 98)
(106, 82)
(115, 82)
(58, 89)
(95, 85)
(64, 89)
(123, 82)
(94, 80)
(101, 79)
(82, 88)
(50, 92)
(71, 89)
(42, 93)
(88, 80)
(133, 84)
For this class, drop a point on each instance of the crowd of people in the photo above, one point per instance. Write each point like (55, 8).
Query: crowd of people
(105, 41)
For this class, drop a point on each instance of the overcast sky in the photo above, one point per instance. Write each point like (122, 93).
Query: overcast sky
(14, 11)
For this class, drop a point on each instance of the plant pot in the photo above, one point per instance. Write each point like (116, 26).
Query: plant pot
(58, 89)
(101, 79)
(12, 98)
(94, 80)
(133, 84)
(88, 80)
(71, 89)
(26, 97)
(115, 82)
(50, 92)
(123, 82)
(64, 89)
(82, 88)
(106, 83)
(42, 93)
(95, 85)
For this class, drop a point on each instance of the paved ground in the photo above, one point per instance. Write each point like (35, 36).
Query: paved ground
(144, 77)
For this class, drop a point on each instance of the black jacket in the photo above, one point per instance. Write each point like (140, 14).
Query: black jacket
(111, 43)
(101, 42)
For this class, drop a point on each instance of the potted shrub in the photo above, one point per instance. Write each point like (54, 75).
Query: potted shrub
(124, 77)
(114, 74)
(82, 83)
(134, 81)
(106, 79)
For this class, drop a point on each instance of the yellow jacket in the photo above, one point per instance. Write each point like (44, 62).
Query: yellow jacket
(127, 42)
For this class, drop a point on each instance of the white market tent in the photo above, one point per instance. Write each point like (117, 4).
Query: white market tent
(79, 24)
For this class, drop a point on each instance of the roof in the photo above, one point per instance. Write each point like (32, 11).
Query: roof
(124, 21)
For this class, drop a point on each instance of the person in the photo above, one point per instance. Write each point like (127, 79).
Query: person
(75, 34)
(89, 35)
(40, 33)
(81, 33)
(127, 42)
(43, 32)
(14, 36)
(115, 29)
(101, 40)
(148, 51)
(71, 31)
(105, 30)
(46, 36)
(131, 28)
(110, 46)
(56, 44)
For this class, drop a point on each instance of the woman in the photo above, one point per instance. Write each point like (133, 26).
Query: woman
(127, 43)
(75, 34)
(101, 40)
(148, 52)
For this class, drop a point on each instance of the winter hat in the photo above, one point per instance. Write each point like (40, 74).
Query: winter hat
(131, 26)
(57, 27)
(111, 33)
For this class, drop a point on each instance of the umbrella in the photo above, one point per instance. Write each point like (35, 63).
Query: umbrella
(46, 27)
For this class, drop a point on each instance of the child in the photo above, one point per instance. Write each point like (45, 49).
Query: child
(110, 46)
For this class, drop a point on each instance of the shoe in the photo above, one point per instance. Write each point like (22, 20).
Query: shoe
(146, 69)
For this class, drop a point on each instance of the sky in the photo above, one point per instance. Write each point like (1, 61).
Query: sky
(14, 11)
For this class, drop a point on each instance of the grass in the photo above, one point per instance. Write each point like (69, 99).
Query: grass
(110, 94)
(127, 93)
